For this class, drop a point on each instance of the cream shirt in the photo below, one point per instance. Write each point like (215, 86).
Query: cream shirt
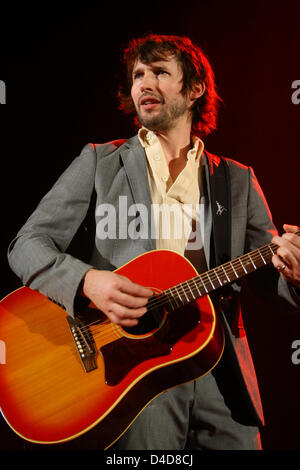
(175, 204)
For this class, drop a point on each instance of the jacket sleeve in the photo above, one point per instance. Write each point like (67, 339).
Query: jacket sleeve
(260, 230)
(38, 253)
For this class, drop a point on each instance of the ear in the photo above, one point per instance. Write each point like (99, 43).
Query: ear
(197, 91)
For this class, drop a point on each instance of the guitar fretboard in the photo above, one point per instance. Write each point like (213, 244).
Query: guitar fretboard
(220, 276)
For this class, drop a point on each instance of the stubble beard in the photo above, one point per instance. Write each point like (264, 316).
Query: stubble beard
(166, 119)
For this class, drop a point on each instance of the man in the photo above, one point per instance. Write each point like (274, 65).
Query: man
(170, 85)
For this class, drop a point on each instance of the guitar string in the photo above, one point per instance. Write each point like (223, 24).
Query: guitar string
(258, 255)
(234, 265)
(105, 330)
(205, 278)
(211, 275)
(107, 333)
(262, 256)
(160, 300)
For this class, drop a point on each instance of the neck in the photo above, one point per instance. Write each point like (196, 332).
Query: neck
(176, 142)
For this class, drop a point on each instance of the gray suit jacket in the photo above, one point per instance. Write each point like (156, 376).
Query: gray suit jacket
(40, 253)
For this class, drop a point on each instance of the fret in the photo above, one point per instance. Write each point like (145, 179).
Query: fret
(173, 297)
(170, 302)
(183, 290)
(188, 284)
(203, 284)
(236, 274)
(258, 250)
(178, 294)
(194, 281)
(245, 270)
(254, 265)
(228, 279)
(248, 265)
(220, 282)
(270, 248)
(225, 273)
(207, 274)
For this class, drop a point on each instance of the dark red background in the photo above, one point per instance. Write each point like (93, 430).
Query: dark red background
(61, 65)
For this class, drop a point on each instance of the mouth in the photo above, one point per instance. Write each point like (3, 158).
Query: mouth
(149, 102)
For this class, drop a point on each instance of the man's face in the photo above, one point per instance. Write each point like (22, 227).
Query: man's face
(156, 93)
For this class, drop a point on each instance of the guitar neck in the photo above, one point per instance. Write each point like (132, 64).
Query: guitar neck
(220, 276)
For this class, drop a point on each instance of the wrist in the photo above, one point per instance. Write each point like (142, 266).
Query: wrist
(84, 285)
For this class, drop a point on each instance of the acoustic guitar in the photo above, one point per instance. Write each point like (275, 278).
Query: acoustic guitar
(60, 376)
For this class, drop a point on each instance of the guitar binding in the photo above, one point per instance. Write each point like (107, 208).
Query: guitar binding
(84, 343)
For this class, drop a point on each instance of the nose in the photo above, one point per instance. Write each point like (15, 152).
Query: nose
(147, 82)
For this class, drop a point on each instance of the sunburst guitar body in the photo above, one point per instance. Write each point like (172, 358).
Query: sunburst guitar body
(60, 377)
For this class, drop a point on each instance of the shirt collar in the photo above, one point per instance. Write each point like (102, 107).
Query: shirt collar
(147, 137)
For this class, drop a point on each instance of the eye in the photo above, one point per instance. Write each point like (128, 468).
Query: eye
(161, 72)
(137, 75)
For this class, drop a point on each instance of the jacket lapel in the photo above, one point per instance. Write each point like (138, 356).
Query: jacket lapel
(205, 205)
(133, 158)
(219, 195)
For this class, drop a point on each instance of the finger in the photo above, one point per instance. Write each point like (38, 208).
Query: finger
(288, 244)
(122, 321)
(129, 287)
(283, 269)
(125, 316)
(129, 323)
(122, 311)
(289, 259)
(290, 273)
(290, 228)
(129, 301)
(289, 249)
(290, 231)
(280, 264)
(292, 242)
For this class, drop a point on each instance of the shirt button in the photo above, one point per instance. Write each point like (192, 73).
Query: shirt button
(164, 178)
(156, 157)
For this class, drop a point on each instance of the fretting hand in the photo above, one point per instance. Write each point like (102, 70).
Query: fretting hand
(287, 258)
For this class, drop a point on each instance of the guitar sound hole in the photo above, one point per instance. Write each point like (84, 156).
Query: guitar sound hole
(152, 320)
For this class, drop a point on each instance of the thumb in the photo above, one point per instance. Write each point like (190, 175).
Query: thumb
(290, 228)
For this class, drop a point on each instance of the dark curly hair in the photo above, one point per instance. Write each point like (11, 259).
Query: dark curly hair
(195, 68)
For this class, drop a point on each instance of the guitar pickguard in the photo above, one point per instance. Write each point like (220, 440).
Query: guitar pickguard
(124, 354)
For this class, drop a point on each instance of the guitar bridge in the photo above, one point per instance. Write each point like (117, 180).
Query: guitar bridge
(84, 343)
